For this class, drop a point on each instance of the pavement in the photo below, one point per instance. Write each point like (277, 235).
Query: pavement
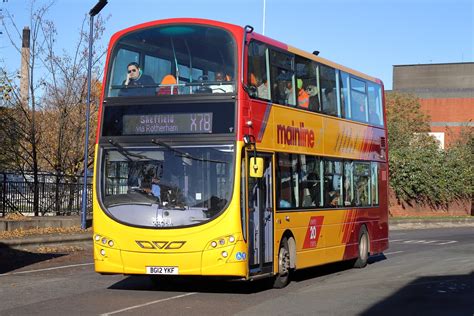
(81, 238)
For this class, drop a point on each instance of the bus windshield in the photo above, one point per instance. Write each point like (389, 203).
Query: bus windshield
(172, 60)
(167, 186)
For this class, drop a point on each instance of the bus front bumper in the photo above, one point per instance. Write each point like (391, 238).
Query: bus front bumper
(231, 260)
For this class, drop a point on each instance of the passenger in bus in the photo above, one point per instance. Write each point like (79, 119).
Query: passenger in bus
(155, 187)
(313, 186)
(313, 98)
(262, 89)
(303, 97)
(137, 83)
(374, 117)
(167, 82)
(224, 86)
(329, 101)
(289, 93)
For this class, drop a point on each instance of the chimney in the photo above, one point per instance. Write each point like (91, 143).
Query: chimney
(25, 67)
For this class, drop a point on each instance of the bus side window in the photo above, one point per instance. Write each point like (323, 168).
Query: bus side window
(345, 96)
(283, 85)
(375, 104)
(308, 93)
(332, 183)
(156, 67)
(327, 77)
(359, 100)
(287, 180)
(257, 71)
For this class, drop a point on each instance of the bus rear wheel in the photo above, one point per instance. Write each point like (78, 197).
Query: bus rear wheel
(363, 252)
(283, 277)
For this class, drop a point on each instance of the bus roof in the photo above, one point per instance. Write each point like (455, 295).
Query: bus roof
(237, 30)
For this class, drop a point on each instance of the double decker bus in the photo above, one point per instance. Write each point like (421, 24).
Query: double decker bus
(222, 152)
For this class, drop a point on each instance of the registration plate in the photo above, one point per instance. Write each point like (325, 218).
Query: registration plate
(161, 270)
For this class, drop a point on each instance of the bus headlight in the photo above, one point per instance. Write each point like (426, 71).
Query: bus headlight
(102, 252)
(231, 239)
(213, 244)
(104, 241)
(224, 254)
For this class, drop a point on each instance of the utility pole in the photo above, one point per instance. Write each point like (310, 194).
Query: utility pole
(93, 12)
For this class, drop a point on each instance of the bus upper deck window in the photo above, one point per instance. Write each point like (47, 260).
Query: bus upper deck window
(190, 53)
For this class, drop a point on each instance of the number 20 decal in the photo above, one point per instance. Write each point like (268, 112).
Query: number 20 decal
(313, 232)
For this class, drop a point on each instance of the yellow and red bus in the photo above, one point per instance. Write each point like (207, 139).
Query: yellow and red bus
(222, 152)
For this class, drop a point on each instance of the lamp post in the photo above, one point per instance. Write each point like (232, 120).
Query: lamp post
(93, 12)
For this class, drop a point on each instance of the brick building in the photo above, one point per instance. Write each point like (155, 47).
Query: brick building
(446, 93)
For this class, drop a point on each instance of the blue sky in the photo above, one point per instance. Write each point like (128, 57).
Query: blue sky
(368, 35)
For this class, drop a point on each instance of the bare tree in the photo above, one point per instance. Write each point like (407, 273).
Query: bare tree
(50, 127)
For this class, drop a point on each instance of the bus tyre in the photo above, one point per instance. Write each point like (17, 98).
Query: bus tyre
(283, 277)
(363, 251)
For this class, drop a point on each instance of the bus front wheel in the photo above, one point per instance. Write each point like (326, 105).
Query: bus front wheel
(363, 251)
(283, 277)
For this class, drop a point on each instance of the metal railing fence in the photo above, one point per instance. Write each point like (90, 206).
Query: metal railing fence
(55, 195)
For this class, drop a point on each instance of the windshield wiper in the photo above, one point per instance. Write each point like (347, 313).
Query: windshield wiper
(125, 152)
(183, 154)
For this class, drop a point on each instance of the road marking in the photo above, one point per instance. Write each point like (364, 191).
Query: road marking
(410, 241)
(48, 269)
(149, 303)
(392, 253)
(448, 242)
(425, 242)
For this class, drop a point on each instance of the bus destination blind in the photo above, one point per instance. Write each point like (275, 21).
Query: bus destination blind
(177, 123)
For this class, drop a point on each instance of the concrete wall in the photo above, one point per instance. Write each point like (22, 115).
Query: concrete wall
(39, 222)
(446, 93)
(457, 76)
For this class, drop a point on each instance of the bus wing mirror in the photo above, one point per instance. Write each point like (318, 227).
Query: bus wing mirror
(256, 167)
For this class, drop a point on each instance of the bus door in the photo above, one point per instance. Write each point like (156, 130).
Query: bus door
(260, 215)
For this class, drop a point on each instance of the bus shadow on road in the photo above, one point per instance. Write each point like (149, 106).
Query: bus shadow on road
(430, 295)
(216, 285)
(192, 284)
(331, 268)
(12, 259)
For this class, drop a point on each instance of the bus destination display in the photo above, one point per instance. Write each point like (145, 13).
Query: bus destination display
(176, 123)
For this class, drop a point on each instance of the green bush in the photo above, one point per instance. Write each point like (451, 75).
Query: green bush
(419, 170)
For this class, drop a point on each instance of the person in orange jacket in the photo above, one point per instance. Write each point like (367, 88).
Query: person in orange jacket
(303, 96)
